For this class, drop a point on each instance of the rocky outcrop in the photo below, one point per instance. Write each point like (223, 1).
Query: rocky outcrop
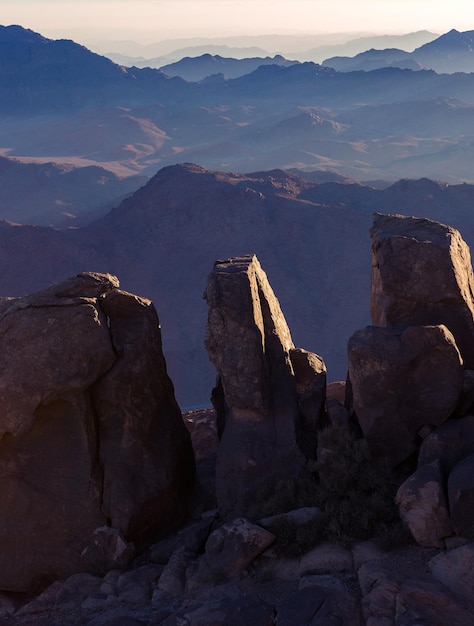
(422, 275)
(405, 384)
(423, 506)
(267, 407)
(449, 443)
(399, 592)
(91, 435)
(402, 379)
(366, 586)
(410, 383)
(455, 569)
(229, 551)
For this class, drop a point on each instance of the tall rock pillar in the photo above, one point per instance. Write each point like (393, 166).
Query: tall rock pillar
(250, 345)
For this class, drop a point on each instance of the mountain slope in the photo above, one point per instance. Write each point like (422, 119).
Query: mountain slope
(40, 75)
(451, 52)
(49, 194)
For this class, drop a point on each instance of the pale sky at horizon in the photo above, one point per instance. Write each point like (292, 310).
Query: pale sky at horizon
(159, 19)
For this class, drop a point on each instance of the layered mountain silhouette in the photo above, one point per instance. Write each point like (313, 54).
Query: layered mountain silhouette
(301, 47)
(449, 53)
(62, 103)
(40, 75)
(163, 241)
(198, 68)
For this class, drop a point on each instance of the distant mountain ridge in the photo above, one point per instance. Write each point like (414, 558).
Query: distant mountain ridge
(39, 74)
(69, 104)
(198, 68)
(191, 52)
(313, 48)
(449, 53)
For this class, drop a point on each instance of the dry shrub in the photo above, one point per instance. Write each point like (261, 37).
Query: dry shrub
(354, 492)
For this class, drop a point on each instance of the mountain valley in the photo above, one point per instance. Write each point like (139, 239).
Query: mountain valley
(77, 106)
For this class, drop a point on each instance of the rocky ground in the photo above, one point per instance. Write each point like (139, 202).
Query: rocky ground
(227, 576)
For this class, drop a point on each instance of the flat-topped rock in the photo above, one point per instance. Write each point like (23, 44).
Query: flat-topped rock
(422, 275)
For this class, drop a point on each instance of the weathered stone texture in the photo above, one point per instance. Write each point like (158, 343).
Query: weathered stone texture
(451, 442)
(310, 378)
(455, 569)
(423, 506)
(421, 276)
(230, 549)
(91, 433)
(142, 433)
(249, 342)
(402, 379)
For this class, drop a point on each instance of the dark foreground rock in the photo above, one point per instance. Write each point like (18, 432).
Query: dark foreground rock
(92, 436)
(365, 586)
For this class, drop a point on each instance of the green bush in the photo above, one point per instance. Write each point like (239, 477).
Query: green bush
(354, 492)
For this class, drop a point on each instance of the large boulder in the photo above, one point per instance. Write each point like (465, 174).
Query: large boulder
(405, 596)
(423, 506)
(91, 434)
(451, 442)
(250, 345)
(422, 275)
(145, 448)
(229, 551)
(402, 379)
(455, 570)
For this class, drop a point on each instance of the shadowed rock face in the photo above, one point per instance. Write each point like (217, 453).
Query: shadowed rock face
(402, 379)
(423, 506)
(422, 275)
(249, 342)
(91, 433)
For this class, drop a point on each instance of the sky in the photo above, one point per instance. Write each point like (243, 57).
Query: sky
(161, 19)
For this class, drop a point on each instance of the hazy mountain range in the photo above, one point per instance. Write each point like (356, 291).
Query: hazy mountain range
(452, 52)
(313, 48)
(61, 102)
(198, 68)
